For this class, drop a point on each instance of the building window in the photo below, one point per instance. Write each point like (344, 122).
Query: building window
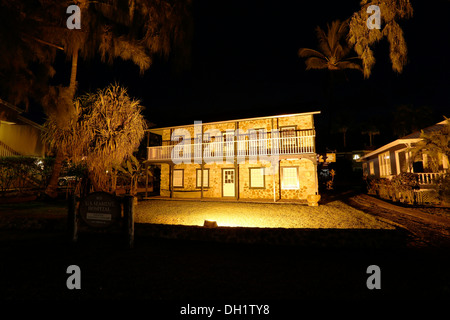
(385, 164)
(289, 178)
(178, 178)
(288, 139)
(205, 178)
(257, 133)
(256, 177)
(371, 168)
(288, 131)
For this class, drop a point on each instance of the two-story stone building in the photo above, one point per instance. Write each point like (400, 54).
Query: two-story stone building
(255, 158)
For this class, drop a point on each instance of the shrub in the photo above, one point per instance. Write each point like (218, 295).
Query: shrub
(400, 187)
(20, 173)
(443, 188)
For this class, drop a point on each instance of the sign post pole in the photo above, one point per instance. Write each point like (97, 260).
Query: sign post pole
(128, 214)
(72, 219)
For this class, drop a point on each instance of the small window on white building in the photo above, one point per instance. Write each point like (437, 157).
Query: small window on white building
(178, 178)
(385, 164)
(289, 178)
(371, 168)
(257, 178)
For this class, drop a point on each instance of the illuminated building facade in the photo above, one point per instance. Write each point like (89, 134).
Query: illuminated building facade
(254, 158)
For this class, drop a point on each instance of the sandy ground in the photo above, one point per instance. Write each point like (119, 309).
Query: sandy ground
(335, 214)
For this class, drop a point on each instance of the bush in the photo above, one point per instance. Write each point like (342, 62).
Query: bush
(20, 173)
(443, 188)
(400, 187)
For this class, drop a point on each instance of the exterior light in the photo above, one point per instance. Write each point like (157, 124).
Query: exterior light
(210, 224)
(6, 122)
(356, 157)
(40, 163)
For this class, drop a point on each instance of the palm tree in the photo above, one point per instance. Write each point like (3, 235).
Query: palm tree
(332, 54)
(362, 38)
(25, 64)
(129, 29)
(371, 132)
(105, 129)
(333, 50)
(34, 31)
(434, 144)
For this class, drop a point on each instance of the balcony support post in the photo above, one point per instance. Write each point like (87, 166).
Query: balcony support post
(171, 179)
(236, 164)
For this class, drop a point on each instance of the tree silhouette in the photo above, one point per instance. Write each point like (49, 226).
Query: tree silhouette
(435, 144)
(133, 30)
(106, 128)
(363, 38)
(333, 54)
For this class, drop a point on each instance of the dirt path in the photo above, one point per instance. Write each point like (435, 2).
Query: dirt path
(427, 228)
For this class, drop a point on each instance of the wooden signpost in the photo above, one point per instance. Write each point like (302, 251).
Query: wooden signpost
(101, 211)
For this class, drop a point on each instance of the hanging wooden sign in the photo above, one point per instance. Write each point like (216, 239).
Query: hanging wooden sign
(101, 211)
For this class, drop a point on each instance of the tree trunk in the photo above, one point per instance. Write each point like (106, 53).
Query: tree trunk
(53, 183)
(73, 74)
(51, 189)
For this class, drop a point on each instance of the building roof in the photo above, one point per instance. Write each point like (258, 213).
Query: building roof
(408, 139)
(159, 130)
(11, 114)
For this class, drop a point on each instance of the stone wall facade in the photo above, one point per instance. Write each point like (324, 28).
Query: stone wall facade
(306, 171)
(305, 164)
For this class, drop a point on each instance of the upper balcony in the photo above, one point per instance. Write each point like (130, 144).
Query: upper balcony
(229, 147)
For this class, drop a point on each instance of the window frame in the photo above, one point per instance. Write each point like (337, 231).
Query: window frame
(287, 129)
(285, 142)
(182, 178)
(282, 178)
(197, 171)
(384, 161)
(250, 178)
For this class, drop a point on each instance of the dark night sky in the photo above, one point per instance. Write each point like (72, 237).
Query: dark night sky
(245, 64)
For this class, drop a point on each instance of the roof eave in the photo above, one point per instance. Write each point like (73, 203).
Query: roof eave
(155, 130)
(388, 146)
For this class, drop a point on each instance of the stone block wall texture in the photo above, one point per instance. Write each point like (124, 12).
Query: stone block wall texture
(300, 121)
(307, 185)
(307, 169)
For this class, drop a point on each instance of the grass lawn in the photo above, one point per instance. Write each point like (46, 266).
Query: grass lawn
(31, 214)
(335, 214)
(35, 208)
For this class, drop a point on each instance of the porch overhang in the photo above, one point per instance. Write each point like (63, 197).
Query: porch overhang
(388, 146)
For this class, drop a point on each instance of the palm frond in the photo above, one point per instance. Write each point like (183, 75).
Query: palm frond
(306, 53)
(349, 65)
(316, 63)
(324, 44)
(333, 49)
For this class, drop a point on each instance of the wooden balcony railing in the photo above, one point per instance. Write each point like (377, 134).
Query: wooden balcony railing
(428, 178)
(240, 148)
